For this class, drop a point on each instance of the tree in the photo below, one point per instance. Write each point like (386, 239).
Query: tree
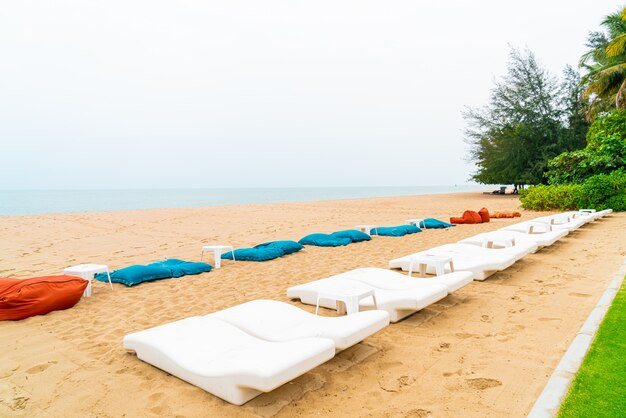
(605, 66)
(530, 118)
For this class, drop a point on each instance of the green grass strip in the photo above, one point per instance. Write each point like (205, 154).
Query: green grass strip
(599, 388)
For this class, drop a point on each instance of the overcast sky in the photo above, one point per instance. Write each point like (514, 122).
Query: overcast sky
(134, 94)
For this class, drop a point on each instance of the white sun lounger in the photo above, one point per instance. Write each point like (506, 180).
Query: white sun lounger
(278, 321)
(500, 239)
(562, 221)
(395, 293)
(224, 360)
(534, 227)
(482, 262)
(383, 278)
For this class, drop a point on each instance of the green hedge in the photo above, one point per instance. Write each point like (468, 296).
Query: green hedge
(599, 192)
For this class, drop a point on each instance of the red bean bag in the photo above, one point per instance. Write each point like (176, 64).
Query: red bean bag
(484, 214)
(22, 298)
(506, 215)
(469, 217)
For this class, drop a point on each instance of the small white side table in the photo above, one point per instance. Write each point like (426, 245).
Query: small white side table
(87, 271)
(539, 227)
(217, 253)
(419, 222)
(366, 228)
(490, 239)
(347, 298)
(437, 261)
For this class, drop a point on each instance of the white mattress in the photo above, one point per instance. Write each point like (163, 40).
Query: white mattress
(224, 360)
(399, 299)
(482, 262)
(527, 243)
(277, 321)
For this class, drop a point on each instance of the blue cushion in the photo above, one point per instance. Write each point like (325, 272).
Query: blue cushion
(181, 268)
(353, 234)
(287, 246)
(395, 231)
(324, 240)
(436, 224)
(136, 274)
(254, 254)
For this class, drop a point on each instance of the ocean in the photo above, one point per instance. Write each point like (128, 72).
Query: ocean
(29, 202)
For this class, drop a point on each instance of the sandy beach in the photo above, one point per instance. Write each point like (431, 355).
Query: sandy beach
(487, 350)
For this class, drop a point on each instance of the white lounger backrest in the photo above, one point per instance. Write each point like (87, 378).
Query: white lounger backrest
(278, 321)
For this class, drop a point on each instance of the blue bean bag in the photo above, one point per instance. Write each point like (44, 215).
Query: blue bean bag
(181, 268)
(163, 269)
(324, 240)
(352, 234)
(254, 254)
(395, 231)
(136, 274)
(436, 223)
(289, 247)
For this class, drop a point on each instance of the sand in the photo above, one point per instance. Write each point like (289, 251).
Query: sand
(487, 350)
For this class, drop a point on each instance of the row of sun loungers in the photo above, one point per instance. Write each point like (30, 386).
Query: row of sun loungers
(243, 351)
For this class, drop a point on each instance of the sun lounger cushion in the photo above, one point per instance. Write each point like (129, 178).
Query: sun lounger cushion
(254, 254)
(432, 223)
(181, 268)
(288, 247)
(353, 234)
(324, 240)
(224, 360)
(395, 231)
(23, 298)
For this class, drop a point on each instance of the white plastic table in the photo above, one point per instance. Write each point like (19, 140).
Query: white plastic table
(419, 222)
(87, 271)
(217, 253)
(542, 226)
(347, 297)
(489, 239)
(437, 261)
(366, 228)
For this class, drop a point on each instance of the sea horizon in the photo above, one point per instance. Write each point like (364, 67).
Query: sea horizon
(57, 201)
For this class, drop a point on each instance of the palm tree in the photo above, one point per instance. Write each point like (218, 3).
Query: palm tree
(605, 65)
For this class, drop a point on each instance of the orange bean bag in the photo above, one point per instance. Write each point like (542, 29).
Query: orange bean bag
(22, 298)
(506, 215)
(484, 214)
(469, 217)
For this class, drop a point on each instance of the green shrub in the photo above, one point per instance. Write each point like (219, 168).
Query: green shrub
(599, 192)
(604, 190)
(542, 197)
(605, 152)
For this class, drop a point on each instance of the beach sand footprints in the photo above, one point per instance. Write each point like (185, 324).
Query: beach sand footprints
(40, 367)
(270, 404)
(482, 383)
(9, 399)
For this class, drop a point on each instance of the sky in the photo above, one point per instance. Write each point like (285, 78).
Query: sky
(248, 93)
